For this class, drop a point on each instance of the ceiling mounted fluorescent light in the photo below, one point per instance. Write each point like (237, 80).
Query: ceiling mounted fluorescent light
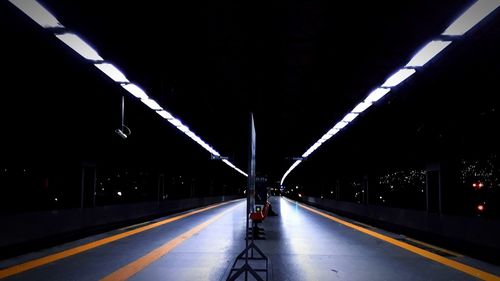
(315, 146)
(241, 172)
(290, 170)
(198, 140)
(398, 77)
(349, 117)
(228, 163)
(428, 52)
(112, 72)
(307, 153)
(377, 94)
(234, 167)
(165, 114)
(340, 125)
(135, 91)
(478, 11)
(175, 122)
(332, 131)
(213, 151)
(38, 13)
(473, 15)
(78, 45)
(326, 137)
(296, 164)
(183, 128)
(152, 104)
(362, 106)
(191, 135)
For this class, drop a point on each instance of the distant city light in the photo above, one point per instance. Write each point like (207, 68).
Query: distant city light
(38, 13)
(473, 15)
(428, 52)
(398, 77)
(78, 45)
(112, 72)
(377, 94)
(135, 91)
(480, 207)
(55, 199)
(119, 193)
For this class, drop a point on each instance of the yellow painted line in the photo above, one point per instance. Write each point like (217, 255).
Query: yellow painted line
(434, 247)
(77, 250)
(134, 267)
(483, 275)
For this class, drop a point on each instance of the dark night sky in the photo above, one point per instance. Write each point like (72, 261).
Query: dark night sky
(298, 65)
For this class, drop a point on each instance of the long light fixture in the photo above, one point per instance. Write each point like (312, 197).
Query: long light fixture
(428, 52)
(152, 104)
(136, 91)
(377, 94)
(398, 77)
(350, 117)
(340, 125)
(477, 12)
(112, 72)
(78, 45)
(294, 165)
(44, 18)
(362, 106)
(37, 12)
(474, 14)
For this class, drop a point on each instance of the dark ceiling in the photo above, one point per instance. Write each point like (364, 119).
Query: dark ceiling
(298, 65)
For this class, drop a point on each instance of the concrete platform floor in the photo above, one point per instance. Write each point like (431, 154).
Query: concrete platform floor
(202, 245)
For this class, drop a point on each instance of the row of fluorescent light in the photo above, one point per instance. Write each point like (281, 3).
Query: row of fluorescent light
(44, 18)
(478, 11)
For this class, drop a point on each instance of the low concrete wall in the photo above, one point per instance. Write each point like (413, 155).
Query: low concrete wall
(33, 227)
(469, 233)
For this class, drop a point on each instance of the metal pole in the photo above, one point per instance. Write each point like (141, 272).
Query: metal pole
(123, 113)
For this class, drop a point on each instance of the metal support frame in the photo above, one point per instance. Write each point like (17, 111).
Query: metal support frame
(248, 254)
(250, 248)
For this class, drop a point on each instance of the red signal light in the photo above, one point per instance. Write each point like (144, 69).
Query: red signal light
(480, 207)
(477, 185)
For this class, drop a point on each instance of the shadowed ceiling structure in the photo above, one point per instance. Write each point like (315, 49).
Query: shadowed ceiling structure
(299, 66)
